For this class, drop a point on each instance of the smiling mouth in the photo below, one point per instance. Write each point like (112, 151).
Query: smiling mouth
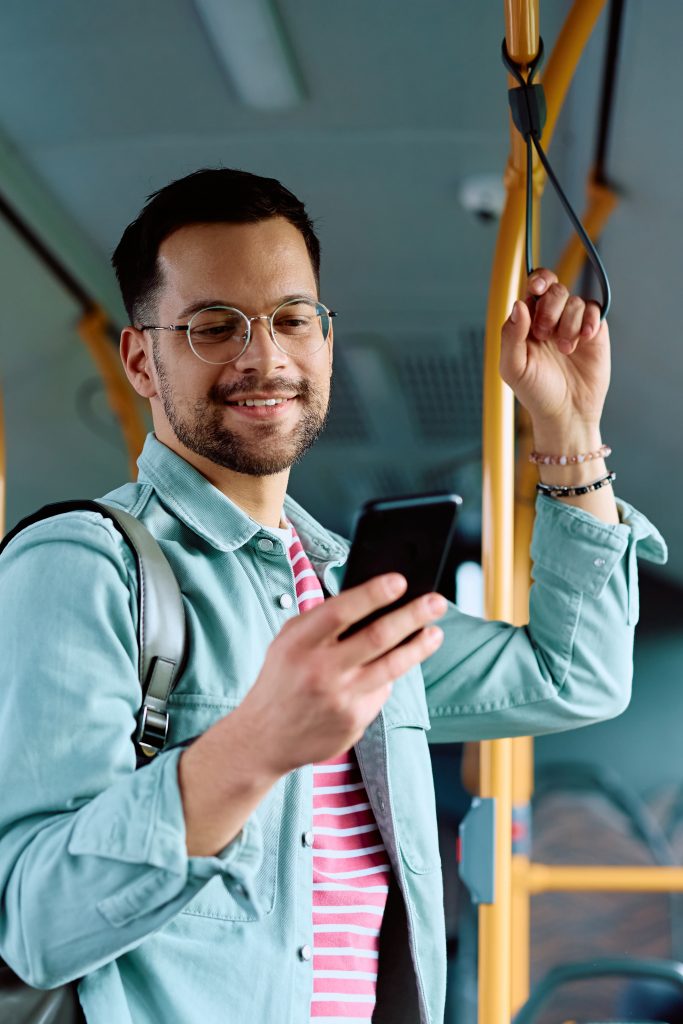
(251, 402)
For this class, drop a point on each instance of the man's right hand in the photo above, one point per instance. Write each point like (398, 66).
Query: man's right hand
(316, 694)
(313, 699)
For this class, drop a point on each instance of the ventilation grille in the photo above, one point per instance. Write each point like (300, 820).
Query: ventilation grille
(386, 481)
(444, 391)
(463, 474)
(347, 422)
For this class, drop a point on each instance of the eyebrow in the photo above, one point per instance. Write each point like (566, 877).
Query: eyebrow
(194, 307)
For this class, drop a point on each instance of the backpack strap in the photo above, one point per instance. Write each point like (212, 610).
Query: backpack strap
(161, 616)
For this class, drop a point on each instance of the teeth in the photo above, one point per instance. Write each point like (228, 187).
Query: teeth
(262, 401)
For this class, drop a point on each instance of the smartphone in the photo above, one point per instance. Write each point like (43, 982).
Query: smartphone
(411, 535)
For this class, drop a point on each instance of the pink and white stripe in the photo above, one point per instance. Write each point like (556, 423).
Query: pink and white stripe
(351, 871)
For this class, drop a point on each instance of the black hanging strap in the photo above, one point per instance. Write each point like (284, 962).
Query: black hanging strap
(527, 104)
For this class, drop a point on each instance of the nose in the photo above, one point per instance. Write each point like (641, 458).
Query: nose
(261, 354)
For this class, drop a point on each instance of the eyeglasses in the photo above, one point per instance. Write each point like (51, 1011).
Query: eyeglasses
(220, 334)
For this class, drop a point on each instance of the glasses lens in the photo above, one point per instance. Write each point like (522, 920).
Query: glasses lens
(219, 334)
(301, 326)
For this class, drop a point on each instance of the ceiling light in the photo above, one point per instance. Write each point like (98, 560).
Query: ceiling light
(250, 42)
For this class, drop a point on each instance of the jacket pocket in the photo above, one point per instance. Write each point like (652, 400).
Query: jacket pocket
(412, 794)
(191, 715)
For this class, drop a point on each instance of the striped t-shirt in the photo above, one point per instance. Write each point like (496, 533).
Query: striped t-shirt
(351, 871)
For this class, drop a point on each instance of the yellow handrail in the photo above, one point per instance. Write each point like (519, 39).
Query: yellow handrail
(522, 31)
(497, 548)
(538, 878)
(523, 748)
(497, 534)
(93, 329)
(602, 201)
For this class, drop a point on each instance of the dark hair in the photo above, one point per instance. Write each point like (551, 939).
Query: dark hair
(207, 196)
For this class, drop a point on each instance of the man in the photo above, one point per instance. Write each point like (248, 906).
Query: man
(284, 866)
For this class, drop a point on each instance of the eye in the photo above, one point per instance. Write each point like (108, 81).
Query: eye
(297, 317)
(293, 322)
(209, 327)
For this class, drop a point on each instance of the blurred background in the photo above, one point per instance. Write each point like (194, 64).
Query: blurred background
(389, 119)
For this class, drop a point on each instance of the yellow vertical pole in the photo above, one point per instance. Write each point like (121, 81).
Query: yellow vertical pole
(522, 748)
(497, 529)
(495, 931)
(560, 69)
(522, 756)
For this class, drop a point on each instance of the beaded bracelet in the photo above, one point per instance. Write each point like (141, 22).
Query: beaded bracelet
(569, 460)
(555, 491)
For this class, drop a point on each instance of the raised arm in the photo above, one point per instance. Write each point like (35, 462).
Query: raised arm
(555, 355)
(573, 663)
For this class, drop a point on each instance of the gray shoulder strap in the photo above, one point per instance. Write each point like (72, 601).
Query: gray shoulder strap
(161, 629)
(161, 616)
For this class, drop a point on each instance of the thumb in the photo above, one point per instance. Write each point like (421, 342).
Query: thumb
(513, 349)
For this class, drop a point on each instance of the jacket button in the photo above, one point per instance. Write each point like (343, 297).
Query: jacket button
(266, 544)
(307, 838)
(305, 953)
(286, 601)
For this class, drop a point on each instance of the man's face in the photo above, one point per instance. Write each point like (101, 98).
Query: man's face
(253, 267)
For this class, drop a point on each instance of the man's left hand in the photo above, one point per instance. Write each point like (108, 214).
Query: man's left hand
(555, 356)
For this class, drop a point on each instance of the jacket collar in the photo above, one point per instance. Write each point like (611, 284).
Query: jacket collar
(213, 516)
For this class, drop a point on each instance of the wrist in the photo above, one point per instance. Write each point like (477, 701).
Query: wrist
(264, 758)
(566, 438)
(577, 454)
(236, 741)
(222, 780)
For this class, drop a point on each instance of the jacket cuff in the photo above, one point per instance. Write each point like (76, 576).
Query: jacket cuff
(237, 864)
(146, 826)
(648, 541)
(238, 861)
(584, 551)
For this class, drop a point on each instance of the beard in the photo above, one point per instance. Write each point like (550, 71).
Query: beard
(268, 451)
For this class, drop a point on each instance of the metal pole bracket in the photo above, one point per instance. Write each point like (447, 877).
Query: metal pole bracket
(477, 859)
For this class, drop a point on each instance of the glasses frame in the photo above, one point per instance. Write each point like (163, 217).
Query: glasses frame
(187, 328)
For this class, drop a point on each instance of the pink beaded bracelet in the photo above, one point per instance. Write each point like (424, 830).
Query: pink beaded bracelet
(569, 460)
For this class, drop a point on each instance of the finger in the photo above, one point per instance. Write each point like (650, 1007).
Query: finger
(399, 660)
(569, 327)
(549, 309)
(513, 348)
(539, 282)
(338, 613)
(591, 321)
(391, 629)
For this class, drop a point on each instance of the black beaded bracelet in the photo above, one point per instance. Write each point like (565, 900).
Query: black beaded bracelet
(556, 491)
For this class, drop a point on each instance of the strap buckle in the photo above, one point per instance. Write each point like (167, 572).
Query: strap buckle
(152, 730)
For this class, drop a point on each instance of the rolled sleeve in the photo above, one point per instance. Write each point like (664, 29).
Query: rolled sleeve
(573, 663)
(139, 821)
(583, 551)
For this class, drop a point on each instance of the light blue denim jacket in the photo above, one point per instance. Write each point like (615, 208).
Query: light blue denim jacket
(94, 874)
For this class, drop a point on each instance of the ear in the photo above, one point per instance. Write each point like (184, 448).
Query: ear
(136, 356)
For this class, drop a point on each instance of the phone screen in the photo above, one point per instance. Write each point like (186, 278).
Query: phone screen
(410, 535)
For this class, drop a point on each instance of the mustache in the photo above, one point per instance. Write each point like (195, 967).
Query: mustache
(222, 393)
